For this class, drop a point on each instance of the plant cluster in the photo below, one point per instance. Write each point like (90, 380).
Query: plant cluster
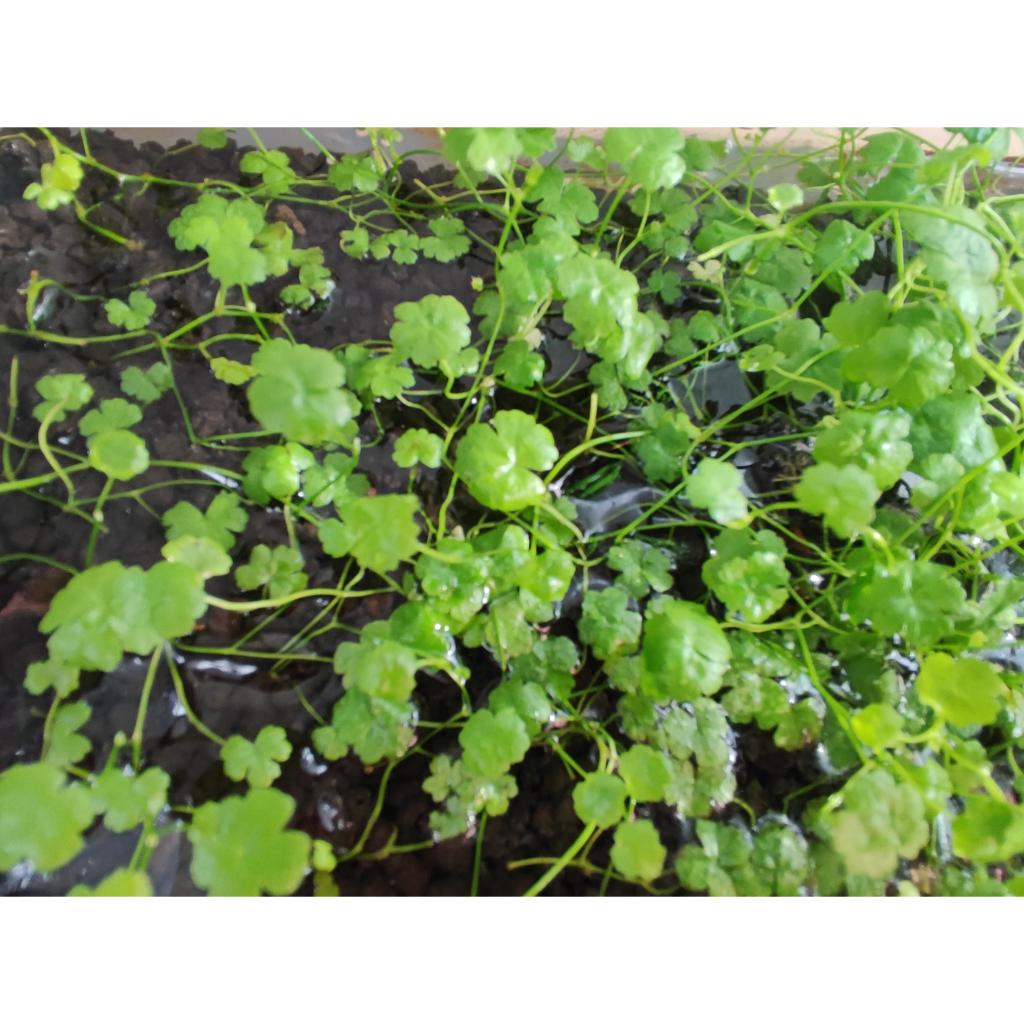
(606, 559)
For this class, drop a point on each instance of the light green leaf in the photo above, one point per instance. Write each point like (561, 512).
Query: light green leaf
(257, 762)
(66, 746)
(69, 391)
(419, 446)
(964, 691)
(717, 486)
(431, 332)
(379, 531)
(129, 800)
(146, 385)
(48, 839)
(748, 573)
(133, 314)
(119, 454)
(495, 460)
(646, 772)
(279, 569)
(844, 496)
(600, 799)
(123, 882)
(240, 846)
(685, 652)
(637, 852)
(298, 393)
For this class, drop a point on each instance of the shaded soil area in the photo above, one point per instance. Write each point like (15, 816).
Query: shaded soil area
(235, 694)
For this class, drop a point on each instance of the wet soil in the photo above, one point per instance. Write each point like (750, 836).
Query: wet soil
(236, 695)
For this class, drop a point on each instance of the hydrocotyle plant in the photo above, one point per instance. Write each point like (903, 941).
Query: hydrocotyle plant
(722, 457)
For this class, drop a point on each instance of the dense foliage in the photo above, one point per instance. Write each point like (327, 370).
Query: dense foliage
(827, 552)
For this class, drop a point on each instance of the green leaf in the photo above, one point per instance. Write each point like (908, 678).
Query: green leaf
(964, 691)
(273, 167)
(41, 675)
(717, 486)
(223, 518)
(322, 858)
(256, 762)
(685, 652)
(875, 441)
(601, 305)
(335, 481)
(637, 852)
(60, 180)
(379, 377)
(495, 460)
(958, 255)
(844, 496)
(953, 425)
(988, 831)
(917, 600)
(66, 746)
(212, 138)
(129, 800)
(785, 196)
(173, 599)
(855, 323)
(447, 240)
(379, 532)
(544, 578)
(431, 332)
(48, 839)
(69, 391)
(123, 882)
(379, 666)
(240, 846)
(748, 573)
(663, 450)
(492, 743)
(274, 471)
(227, 231)
(842, 248)
(527, 700)
(910, 362)
(797, 360)
(354, 173)
(405, 246)
(646, 773)
(800, 725)
(563, 198)
(133, 314)
(279, 569)
(298, 393)
(519, 365)
(113, 414)
(780, 858)
(231, 372)
(419, 446)
(371, 726)
(109, 609)
(119, 454)
(493, 151)
(607, 625)
(600, 799)
(641, 567)
(355, 242)
(881, 820)
(651, 157)
(146, 385)
(878, 725)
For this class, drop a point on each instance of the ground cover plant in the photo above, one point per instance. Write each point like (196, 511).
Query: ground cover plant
(546, 514)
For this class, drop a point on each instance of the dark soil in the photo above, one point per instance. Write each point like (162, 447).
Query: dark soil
(230, 694)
